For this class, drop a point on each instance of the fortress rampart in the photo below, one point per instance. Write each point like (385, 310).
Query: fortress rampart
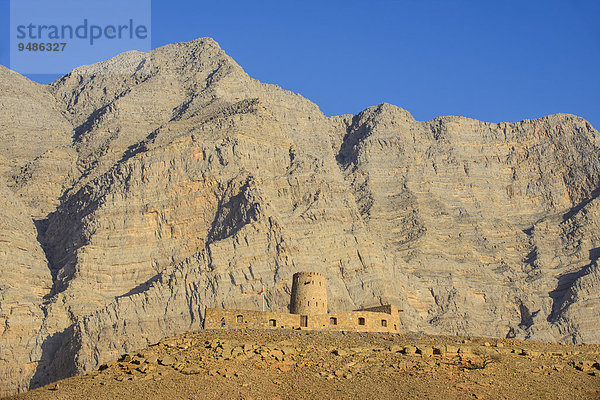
(352, 321)
(308, 310)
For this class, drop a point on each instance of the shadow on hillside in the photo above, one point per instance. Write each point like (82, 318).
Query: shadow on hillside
(567, 280)
(50, 368)
(142, 287)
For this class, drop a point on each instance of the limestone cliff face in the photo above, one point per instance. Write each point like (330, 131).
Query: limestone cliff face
(460, 201)
(174, 182)
(37, 160)
(24, 281)
(36, 163)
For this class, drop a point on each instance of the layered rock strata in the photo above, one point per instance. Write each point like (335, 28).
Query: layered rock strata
(139, 191)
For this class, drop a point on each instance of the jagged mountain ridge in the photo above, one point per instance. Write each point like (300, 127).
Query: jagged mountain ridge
(178, 182)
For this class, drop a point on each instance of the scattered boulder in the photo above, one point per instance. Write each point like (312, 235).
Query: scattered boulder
(152, 359)
(425, 351)
(288, 351)
(166, 361)
(451, 349)
(277, 354)
(530, 353)
(340, 352)
(396, 349)
(192, 370)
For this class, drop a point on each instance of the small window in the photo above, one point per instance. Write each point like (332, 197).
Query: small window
(240, 319)
(333, 321)
(308, 303)
(272, 322)
(384, 322)
(395, 327)
(317, 304)
(361, 321)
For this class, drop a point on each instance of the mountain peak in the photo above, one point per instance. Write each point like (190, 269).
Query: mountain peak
(169, 181)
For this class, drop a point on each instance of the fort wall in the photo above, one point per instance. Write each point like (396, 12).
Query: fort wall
(353, 321)
(308, 310)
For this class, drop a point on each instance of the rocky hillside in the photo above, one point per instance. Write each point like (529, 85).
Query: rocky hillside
(286, 364)
(140, 190)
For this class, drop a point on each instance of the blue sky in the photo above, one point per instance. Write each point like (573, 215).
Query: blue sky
(490, 60)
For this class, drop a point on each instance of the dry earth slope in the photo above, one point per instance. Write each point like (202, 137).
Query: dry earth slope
(140, 190)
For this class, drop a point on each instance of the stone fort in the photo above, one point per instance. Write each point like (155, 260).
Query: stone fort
(308, 311)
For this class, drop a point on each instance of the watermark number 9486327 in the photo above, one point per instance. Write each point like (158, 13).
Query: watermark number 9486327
(29, 46)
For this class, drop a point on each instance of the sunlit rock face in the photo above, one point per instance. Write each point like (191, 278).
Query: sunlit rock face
(139, 191)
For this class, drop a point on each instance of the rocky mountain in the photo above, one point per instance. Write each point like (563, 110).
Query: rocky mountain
(140, 190)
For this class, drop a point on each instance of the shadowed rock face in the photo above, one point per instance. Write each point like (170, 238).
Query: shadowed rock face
(153, 185)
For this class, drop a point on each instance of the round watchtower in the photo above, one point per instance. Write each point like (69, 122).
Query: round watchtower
(309, 294)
